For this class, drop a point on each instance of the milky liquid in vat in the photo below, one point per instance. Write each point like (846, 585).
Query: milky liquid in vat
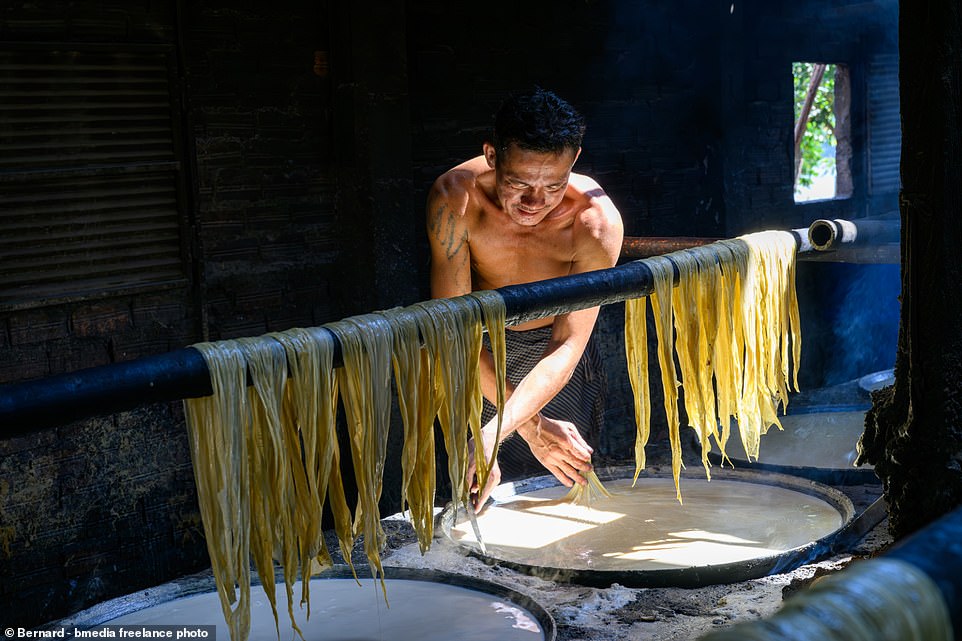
(343, 611)
(645, 528)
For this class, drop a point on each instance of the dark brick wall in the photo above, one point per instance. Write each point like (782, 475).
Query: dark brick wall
(644, 75)
(57, 338)
(261, 122)
(96, 508)
(760, 40)
(298, 213)
(690, 114)
(105, 506)
(98, 21)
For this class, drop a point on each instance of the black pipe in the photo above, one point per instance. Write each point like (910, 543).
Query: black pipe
(96, 391)
(107, 389)
(936, 549)
(545, 298)
(34, 405)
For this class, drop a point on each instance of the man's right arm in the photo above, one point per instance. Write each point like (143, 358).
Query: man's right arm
(448, 237)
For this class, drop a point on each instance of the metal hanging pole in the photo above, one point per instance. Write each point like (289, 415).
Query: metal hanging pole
(56, 400)
(107, 389)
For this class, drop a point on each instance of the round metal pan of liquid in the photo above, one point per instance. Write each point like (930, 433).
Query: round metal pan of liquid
(741, 525)
(816, 443)
(427, 605)
(877, 380)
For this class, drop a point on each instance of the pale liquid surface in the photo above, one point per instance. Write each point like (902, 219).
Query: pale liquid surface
(645, 528)
(343, 611)
(823, 440)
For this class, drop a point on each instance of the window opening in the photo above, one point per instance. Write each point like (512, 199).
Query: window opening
(822, 133)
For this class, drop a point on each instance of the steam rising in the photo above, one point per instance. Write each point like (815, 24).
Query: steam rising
(865, 323)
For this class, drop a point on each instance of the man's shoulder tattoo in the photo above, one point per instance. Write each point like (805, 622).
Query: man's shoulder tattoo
(443, 226)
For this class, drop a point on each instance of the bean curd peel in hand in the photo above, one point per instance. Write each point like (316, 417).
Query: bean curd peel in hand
(451, 331)
(588, 493)
(733, 324)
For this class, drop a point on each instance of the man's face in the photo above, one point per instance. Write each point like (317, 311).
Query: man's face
(530, 184)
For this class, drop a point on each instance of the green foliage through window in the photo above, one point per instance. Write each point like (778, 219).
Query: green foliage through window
(816, 152)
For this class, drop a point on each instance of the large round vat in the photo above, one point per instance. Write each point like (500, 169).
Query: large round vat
(426, 605)
(816, 443)
(738, 526)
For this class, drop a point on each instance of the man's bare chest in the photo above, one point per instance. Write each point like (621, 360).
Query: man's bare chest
(499, 259)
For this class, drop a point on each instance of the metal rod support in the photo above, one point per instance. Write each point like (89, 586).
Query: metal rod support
(648, 246)
(836, 251)
(863, 240)
(826, 235)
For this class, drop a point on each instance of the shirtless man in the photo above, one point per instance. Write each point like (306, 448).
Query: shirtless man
(518, 214)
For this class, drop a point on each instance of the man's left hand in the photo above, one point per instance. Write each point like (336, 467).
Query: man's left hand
(558, 445)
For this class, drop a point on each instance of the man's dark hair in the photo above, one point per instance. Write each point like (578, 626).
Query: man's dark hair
(538, 120)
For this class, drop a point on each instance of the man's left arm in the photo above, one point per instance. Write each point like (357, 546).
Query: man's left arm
(598, 237)
(556, 443)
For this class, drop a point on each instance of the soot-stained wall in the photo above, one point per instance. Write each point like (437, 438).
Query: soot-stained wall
(646, 80)
(101, 507)
(690, 118)
(299, 121)
(294, 156)
(261, 124)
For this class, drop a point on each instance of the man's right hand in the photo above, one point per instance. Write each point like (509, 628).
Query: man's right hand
(479, 495)
(559, 446)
